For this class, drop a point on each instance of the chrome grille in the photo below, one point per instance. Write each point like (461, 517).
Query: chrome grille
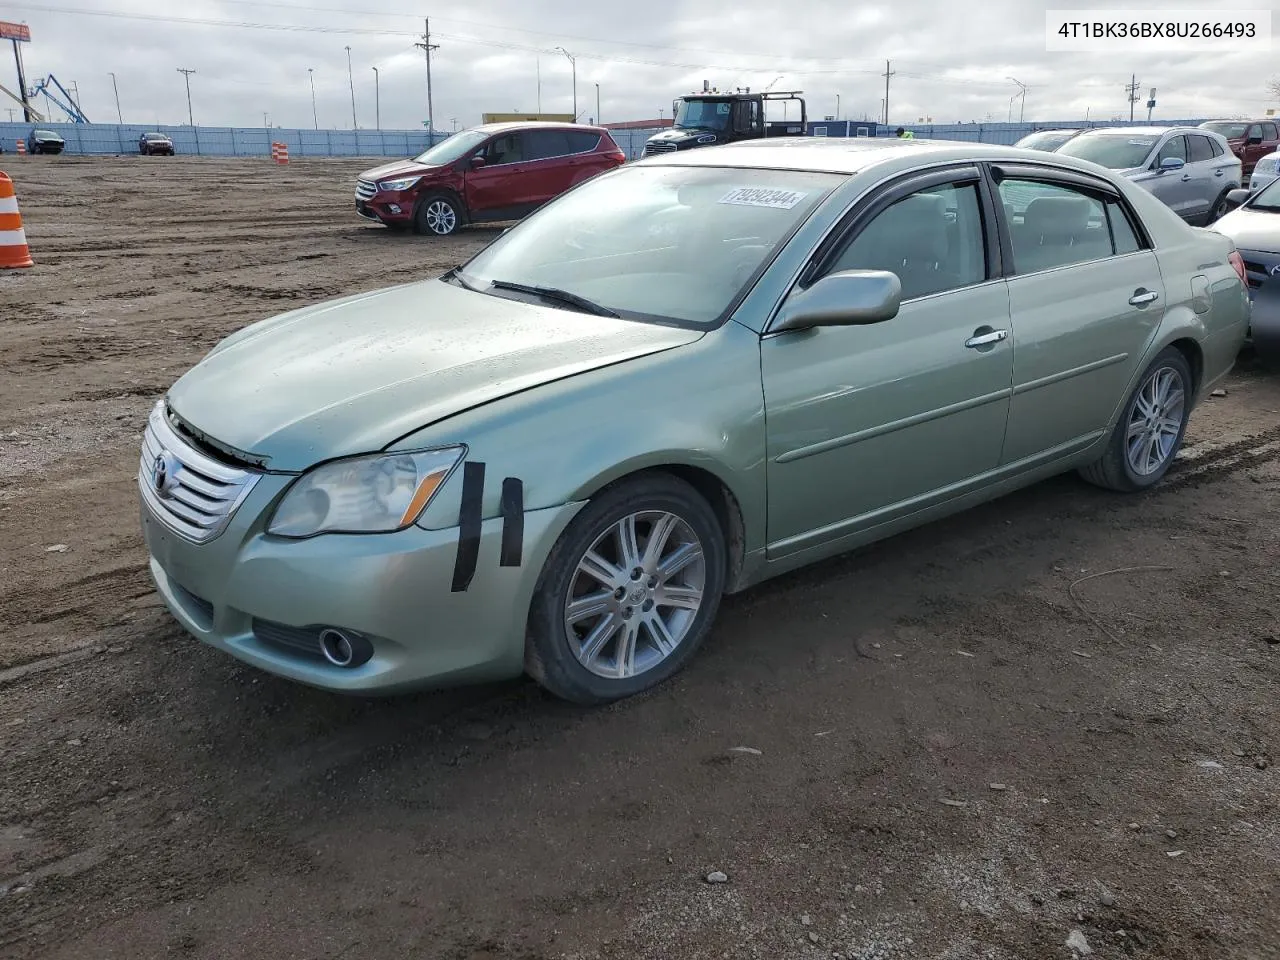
(365, 190)
(199, 495)
(651, 148)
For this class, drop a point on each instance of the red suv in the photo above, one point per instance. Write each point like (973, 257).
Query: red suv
(1250, 140)
(500, 171)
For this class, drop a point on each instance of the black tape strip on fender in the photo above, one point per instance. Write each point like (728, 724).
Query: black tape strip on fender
(464, 567)
(512, 522)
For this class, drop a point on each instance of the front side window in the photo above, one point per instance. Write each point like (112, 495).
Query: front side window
(504, 149)
(1052, 225)
(932, 240)
(672, 245)
(1175, 147)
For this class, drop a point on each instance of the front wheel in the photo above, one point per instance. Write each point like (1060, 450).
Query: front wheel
(438, 215)
(1220, 208)
(629, 591)
(1147, 437)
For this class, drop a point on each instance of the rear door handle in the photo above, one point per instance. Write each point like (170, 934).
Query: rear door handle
(1218, 172)
(1186, 177)
(984, 339)
(1141, 297)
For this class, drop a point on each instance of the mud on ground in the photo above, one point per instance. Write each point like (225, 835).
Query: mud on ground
(1110, 664)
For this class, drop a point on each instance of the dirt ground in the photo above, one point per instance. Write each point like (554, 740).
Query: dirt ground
(1053, 717)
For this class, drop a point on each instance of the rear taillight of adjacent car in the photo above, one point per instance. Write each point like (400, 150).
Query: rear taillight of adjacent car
(1237, 263)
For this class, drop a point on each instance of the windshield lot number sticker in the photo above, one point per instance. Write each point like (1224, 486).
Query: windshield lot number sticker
(763, 197)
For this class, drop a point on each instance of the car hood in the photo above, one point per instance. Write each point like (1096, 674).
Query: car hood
(353, 375)
(1251, 229)
(682, 134)
(398, 168)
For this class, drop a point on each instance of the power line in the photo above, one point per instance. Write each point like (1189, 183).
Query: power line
(508, 45)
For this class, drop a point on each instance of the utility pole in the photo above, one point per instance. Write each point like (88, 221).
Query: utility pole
(265, 122)
(186, 74)
(119, 115)
(1132, 91)
(22, 82)
(837, 106)
(314, 117)
(10, 109)
(352, 83)
(597, 103)
(538, 61)
(427, 46)
(574, 63)
(1022, 112)
(377, 102)
(887, 74)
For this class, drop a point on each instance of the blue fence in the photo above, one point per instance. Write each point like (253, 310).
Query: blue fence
(110, 138)
(104, 138)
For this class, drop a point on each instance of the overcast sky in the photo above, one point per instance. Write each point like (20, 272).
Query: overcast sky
(951, 59)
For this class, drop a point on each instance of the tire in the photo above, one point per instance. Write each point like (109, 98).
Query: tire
(438, 215)
(558, 652)
(1219, 209)
(1116, 469)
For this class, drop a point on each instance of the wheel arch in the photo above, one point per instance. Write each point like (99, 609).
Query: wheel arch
(464, 215)
(710, 485)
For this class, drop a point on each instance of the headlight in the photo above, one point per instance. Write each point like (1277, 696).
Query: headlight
(394, 185)
(378, 494)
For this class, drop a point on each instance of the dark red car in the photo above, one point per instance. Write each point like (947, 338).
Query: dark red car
(1250, 140)
(500, 171)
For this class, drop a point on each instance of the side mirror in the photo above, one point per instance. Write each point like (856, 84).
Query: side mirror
(477, 162)
(1236, 197)
(850, 298)
(1172, 163)
(1253, 141)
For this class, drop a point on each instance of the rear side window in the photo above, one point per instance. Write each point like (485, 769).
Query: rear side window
(545, 144)
(1269, 131)
(1052, 225)
(1199, 149)
(1123, 237)
(1216, 147)
(582, 142)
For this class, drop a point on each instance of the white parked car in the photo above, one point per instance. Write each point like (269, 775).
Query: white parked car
(1264, 171)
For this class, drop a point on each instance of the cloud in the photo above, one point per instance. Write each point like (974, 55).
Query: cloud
(950, 61)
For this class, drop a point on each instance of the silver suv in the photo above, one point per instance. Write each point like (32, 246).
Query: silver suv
(1189, 168)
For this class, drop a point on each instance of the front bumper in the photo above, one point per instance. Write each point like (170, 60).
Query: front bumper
(244, 592)
(386, 206)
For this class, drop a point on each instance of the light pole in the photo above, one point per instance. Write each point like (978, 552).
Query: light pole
(119, 115)
(187, 76)
(574, 63)
(1011, 99)
(311, 72)
(837, 106)
(377, 101)
(1022, 112)
(351, 82)
(598, 104)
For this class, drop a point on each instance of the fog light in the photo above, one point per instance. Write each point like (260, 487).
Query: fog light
(393, 207)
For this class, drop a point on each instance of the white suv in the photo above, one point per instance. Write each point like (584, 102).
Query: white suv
(1264, 171)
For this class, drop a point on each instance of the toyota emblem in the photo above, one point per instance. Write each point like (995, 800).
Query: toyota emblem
(164, 473)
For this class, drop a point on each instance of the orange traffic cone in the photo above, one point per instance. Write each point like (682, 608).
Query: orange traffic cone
(14, 251)
(22, 146)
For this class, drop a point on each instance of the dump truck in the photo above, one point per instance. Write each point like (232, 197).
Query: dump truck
(711, 117)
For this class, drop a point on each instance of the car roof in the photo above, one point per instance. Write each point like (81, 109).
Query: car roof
(1243, 120)
(533, 125)
(852, 154)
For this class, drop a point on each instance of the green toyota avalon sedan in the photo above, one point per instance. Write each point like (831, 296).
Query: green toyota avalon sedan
(675, 381)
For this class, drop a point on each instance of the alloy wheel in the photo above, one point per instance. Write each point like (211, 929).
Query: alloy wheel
(441, 218)
(635, 594)
(1155, 421)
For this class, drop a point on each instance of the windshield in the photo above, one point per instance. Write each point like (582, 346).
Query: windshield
(1119, 151)
(156, 136)
(453, 149)
(1044, 141)
(663, 244)
(1232, 131)
(1268, 198)
(47, 133)
(704, 114)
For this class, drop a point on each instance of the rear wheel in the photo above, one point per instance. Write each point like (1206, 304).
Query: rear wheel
(438, 215)
(1147, 437)
(628, 593)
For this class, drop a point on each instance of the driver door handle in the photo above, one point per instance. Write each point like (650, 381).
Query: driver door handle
(1141, 298)
(1186, 177)
(984, 339)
